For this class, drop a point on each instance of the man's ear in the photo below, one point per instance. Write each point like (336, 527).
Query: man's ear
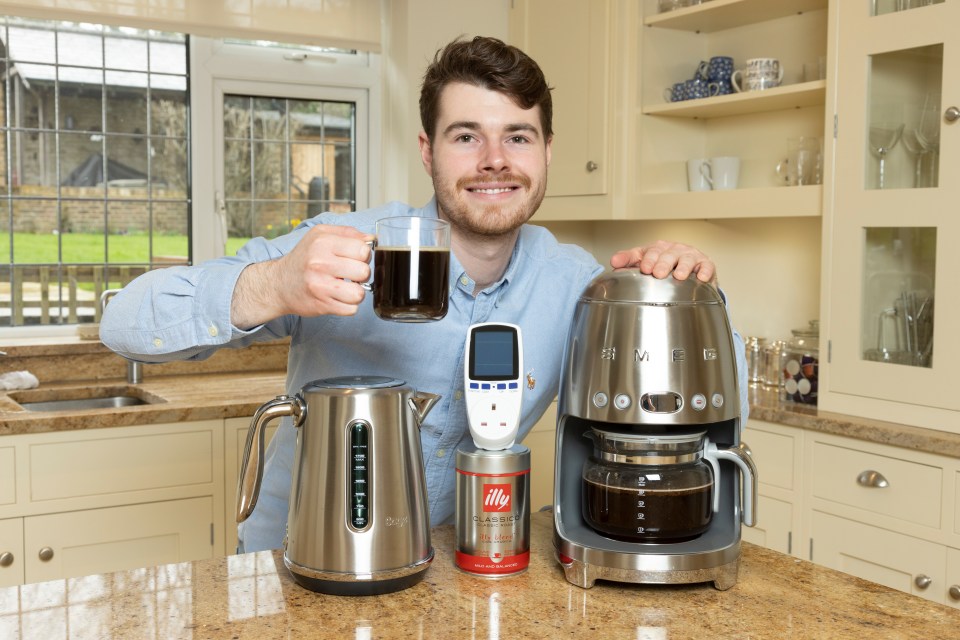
(426, 152)
(549, 149)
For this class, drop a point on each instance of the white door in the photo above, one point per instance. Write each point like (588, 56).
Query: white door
(288, 135)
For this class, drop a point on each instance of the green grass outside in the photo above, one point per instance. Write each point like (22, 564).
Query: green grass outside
(85, 248)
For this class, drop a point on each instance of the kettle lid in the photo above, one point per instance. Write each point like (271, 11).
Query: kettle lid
(356, 382)
(630, 285)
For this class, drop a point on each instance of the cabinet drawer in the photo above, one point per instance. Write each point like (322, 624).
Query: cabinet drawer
(889, 558)
(773, 528)
(120, 461)
(913, 494)
(8, 475)
(774, 455)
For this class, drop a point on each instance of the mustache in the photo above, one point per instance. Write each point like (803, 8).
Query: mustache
(522, 180)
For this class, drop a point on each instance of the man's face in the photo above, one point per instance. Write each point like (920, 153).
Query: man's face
(488, 160)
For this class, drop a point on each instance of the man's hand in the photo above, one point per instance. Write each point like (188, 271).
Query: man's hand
(663, 258)
(319, 277)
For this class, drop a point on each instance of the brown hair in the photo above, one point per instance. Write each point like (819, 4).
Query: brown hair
(491, 64)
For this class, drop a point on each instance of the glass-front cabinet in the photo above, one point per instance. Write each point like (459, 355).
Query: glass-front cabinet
(892, 231)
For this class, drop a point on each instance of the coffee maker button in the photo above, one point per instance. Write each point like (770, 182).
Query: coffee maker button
(622, 401)
(716, 400)
(600, 399)
(698, 402)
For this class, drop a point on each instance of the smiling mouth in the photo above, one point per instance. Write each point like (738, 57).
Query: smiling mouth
(491, 190)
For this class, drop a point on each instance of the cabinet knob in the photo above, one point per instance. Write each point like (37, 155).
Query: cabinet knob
(46, 554)
(592, 166)
(952, 114)
(922, 581)
(872, 479)
(954, 592)
(6, 559)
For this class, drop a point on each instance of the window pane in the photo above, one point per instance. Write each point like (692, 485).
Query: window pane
(97, 169)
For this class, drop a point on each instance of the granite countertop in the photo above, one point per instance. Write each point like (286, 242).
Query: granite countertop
(253, 596)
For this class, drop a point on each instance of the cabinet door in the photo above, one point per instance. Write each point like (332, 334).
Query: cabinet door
(235, 433)
(541, 440)
(916, 566)
(952, 596)
(65, 545)
(774, 525)
(571, 48)
(11, 552)
(892, 228)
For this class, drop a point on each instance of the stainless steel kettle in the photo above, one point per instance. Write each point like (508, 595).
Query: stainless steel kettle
(358, 521)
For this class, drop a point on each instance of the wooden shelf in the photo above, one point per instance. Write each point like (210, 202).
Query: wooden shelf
(717, 15)
(767, 202)
(793, 96)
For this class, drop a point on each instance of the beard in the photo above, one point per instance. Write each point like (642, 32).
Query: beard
(490, 220)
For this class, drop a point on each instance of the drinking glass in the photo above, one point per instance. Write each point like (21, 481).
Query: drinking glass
(911, 142)
(928, 133)
(884, 136)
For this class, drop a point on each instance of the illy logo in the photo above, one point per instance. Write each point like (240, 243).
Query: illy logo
(496, 497)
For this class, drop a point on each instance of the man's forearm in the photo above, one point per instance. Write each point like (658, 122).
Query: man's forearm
(256, 298)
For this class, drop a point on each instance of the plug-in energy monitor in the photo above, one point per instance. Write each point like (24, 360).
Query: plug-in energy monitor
(492, 383)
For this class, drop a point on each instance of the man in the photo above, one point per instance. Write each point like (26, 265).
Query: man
(486, 142)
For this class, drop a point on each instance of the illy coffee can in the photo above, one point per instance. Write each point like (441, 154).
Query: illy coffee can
(493, 511)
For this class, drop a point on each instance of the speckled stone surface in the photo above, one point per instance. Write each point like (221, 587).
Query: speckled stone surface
(253, 596)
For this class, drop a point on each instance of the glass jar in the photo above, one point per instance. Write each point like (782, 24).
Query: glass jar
(647, 488)
(754, 348)
(801, 365)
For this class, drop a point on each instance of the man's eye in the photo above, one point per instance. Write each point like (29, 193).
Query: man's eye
(519, 139)
(464, 137)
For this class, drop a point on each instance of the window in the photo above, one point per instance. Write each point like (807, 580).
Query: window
(94, 179)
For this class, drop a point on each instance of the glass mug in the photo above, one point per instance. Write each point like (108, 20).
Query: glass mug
(411, 269)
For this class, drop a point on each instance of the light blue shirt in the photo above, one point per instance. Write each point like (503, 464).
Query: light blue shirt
(184, 313)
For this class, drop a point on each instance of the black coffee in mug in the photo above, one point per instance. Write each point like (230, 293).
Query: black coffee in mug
(411, 285)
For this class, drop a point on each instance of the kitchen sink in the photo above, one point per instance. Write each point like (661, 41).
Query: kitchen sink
(83, 398)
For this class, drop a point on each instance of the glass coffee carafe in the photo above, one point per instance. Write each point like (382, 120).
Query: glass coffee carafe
(649, 488)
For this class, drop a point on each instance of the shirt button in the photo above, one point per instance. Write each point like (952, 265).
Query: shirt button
(457, 394)
(213, 331)
(441, 453)
(157, 342)
(464, 280)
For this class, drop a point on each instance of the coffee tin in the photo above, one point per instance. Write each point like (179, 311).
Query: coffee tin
(493, 511)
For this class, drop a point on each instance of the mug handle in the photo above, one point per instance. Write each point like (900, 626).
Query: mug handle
(713, 89)
(368, 286)
(733, 80)
(702, 70)
(707, 172)
(780, 76)
(668, 94)
(783, 170)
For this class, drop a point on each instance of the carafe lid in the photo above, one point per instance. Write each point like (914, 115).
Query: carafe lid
(629, 285)
(633, 448)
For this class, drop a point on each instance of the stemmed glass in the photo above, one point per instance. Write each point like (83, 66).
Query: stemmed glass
(911, 141)
(928, 133)
(884, 136)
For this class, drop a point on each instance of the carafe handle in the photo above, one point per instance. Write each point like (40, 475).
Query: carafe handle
(741, 456)
(251, 468)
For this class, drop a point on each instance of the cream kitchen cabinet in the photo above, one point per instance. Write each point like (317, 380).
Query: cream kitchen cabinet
(754, 126)
(882, 513)
(89, 501)
(541, 440)
(777, 452)
(953, 578)
(11, 552)
(235, 439)
(889, 307)
(575, 47)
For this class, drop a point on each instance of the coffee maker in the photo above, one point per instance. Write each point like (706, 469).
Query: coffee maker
(652, 480)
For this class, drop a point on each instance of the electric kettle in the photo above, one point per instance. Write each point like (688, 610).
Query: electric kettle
(358, 522)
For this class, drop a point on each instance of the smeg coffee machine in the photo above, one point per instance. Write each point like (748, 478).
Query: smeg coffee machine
(652, 481)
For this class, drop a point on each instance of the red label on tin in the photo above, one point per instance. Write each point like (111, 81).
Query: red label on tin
(496, 497)
(493, 565)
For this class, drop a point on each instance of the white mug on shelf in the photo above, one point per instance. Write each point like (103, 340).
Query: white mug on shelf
(722, 173)
(696, 176)
(760, 73)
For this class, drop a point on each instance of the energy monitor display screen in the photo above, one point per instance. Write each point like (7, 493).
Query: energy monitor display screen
(493, 354)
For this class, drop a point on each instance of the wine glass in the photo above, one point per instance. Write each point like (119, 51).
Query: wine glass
(884, 136)
(928, 133)
(911, 141)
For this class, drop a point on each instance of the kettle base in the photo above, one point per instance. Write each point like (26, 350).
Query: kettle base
(359, 587)
(339, 583)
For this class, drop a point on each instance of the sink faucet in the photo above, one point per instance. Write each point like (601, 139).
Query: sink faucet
(134, 369)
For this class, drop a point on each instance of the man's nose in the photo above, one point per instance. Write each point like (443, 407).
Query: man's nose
(494, 157)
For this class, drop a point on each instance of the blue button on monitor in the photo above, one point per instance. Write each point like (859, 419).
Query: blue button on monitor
(485, 387)
(474, 385)
(514, 385)
(501, 385)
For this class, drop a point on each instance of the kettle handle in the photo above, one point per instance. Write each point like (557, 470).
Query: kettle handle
(251, 468)
(741, 456)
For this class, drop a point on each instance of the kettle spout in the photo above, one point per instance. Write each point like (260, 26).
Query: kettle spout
(421, 403)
